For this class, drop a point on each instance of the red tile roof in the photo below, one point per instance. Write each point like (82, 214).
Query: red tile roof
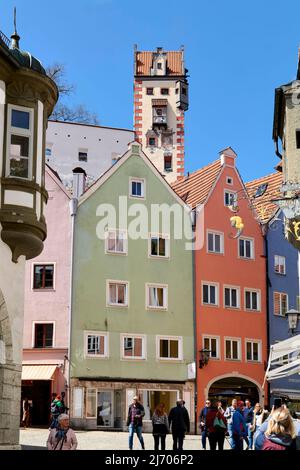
(263, 205)
(174, 63)
(194, 189)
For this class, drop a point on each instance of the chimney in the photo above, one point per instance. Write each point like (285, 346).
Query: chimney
(228, 156)
(79, 182)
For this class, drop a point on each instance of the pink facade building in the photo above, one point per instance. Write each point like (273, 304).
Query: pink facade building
(47, 307)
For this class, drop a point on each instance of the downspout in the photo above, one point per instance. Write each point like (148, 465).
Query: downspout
(265, 231)
(73, 210)
(194, 227)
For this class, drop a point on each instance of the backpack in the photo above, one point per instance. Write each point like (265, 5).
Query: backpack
(55, 408)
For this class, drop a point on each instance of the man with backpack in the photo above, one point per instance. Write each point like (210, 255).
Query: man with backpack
(57, 408)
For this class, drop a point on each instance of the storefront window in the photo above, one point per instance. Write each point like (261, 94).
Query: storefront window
(91, 403)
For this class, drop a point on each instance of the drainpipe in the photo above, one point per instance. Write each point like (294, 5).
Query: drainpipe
(265, 231)
(194, 227)
(73, 210)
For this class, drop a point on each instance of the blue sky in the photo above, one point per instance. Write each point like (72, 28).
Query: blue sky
(236, 52)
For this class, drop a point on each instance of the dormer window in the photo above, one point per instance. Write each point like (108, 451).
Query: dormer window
(19, 142)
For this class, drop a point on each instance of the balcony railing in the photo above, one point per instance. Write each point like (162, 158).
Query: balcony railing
(4, 40)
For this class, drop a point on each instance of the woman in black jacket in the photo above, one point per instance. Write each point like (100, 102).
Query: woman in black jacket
(160, 426)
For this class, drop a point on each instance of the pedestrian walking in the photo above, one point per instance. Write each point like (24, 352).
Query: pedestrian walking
(281, 433)
(216, 425)
(62, 437)
(179, 421)
(56, 410)
(239, 429)
(160, 426)
(135, 416)
(248, 416)
(26, 413)
(229, 412)
(202, 424)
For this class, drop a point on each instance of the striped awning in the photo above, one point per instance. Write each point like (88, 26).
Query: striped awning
(38, 372)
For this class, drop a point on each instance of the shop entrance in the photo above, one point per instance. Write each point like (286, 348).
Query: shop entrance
(152, 398)
(38, 393)
(229, 388)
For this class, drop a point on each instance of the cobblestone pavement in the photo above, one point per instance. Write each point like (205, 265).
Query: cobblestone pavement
(103, 440)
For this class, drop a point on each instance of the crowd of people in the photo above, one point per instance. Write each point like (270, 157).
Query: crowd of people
(248, 427)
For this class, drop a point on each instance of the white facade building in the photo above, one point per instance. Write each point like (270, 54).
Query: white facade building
(92, 148)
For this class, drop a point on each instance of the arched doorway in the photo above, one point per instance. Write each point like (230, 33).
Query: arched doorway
(228, 388)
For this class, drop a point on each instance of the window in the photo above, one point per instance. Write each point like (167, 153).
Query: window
(232, 349)
(82, 156)
(168, 162)
(210, 294)
(157, 296)
(211, 344)
(43, 276)
(159, 65)
(91, 400)
(149, 91)
(116, 241)
(48, 152)
(159, 246)
(253, 351)
(246, 250)
(169, 348)
(133, 347)
(298, 139)
(229, 180)
(96, 344)
(117, 293)
(280, 303)
(252, 300)
(279, 264)
(137, 188)
(164, 91)
(43, 335)
(232, 297)
(19, 142)
(152, 142)
(215, 242)
(229, 198)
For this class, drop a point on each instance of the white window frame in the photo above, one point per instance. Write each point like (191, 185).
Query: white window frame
(144, 347)
(221, 234)
(284, 264)
(125, 241)
(238, 289)
(137, 180)
(252, 248)
(287, 303)
(217, 294)
(43, 263)
(167, 245)
(42, 322)
(258, 292)
(105, 334)
(86, 395)
(238, 340)
(165, 296)
(229, 178)
(114, 281)
(83, 150)
(171, 338)
(228, 191)
(252, 341)
(20, 132)
(210, 337)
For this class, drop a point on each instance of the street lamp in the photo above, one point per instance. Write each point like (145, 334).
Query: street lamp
(292, 316)
(204, 357)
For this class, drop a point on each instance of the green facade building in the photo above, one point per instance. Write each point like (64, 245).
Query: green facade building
(132, 308)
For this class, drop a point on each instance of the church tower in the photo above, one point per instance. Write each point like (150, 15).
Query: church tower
(160, 101)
